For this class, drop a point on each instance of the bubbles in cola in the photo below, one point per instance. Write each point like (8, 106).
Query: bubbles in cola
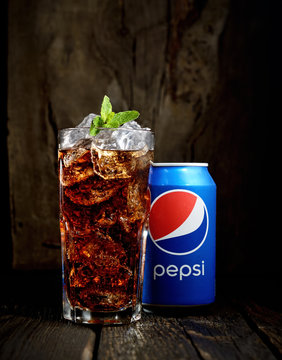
(104, 205)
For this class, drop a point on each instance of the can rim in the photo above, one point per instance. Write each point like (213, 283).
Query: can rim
(179, 164)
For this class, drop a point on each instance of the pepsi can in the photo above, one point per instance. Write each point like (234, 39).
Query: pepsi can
(180, 253)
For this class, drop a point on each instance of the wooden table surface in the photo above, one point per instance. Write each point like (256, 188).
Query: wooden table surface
(244, 323)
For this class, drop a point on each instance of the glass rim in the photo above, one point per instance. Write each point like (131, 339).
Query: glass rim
(102, 128)
(179, 164)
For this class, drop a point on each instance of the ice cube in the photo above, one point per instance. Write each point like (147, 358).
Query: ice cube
(113, 164)
(130, 136)
(73, 155)
(93, 190)
(70, 137)
(137, 206)
(133, 125)
(136, 139)
(77, 166)
(87, 121)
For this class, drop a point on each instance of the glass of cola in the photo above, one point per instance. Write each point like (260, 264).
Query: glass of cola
(104, 206)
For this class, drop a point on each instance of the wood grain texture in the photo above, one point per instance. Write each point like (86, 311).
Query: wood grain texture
(153, 337)
(225, 335)
(237, 326)
(27, 338)
(267, 322)
(222, 333)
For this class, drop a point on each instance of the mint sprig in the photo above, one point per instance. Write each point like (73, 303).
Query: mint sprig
(109, 119)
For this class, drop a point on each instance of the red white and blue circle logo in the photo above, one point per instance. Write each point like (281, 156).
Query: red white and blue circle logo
(178, 222)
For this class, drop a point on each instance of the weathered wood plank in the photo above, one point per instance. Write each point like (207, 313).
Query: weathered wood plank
(153, 337)
(268, 323)
(27, 338)
(224, 334)
(217, 333)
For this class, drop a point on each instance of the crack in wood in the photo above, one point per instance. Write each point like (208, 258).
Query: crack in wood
(53, 126)
(97, 329)
(249, 317)
(189, 337)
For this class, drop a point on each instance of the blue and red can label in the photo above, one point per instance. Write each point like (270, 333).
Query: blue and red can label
(180, 254)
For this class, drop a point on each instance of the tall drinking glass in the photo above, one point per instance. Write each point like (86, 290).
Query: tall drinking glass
(104, 205)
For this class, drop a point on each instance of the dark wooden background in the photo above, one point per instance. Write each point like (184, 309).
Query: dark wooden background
(197, 70)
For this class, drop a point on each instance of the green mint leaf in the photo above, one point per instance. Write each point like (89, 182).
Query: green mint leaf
(96, 123)
(93, 130)
(109, 119)
(113, 123)
(123, 117)
(106, 108)
(110, 116)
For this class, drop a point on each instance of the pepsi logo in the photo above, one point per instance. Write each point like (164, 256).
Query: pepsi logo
(178, 222)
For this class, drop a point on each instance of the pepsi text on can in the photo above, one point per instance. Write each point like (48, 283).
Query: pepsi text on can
(184, 271)
(180, 254)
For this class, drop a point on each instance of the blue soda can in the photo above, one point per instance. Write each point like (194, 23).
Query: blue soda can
(180, 253)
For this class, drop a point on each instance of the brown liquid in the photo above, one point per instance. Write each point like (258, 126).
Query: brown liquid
(104, 204)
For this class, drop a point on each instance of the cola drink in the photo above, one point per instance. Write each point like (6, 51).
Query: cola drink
(104, 205)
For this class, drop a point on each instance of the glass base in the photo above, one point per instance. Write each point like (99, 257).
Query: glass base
(78, 315)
